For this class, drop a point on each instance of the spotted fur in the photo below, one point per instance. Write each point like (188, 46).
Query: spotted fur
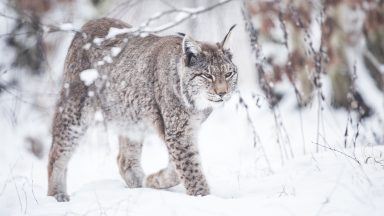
(165, 85)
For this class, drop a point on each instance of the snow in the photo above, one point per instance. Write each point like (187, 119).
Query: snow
(115, 51)
(181, 15)
(113, 32)
(98, 41)
(89, 76)
(324, 183)
(123, 84)
(108, 59)
(66, 27)
(91, 93)
(87, 46)
(192, 10)
(46, 29)
(245, 178)
(99, 116)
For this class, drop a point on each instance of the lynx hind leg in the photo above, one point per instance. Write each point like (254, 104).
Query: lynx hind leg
(128, 161)
(57, 172)
(67, 130)
(164, 178)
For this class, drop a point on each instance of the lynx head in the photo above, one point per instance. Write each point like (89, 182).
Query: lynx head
(208, 76)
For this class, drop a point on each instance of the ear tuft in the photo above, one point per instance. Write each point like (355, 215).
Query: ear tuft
(181, 34)
(225, 42)
(190, 49)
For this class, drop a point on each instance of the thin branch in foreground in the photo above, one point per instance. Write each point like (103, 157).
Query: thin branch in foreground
(253, 34)
(340, 152)
(328, 198)
(255, 136)
(21, 99)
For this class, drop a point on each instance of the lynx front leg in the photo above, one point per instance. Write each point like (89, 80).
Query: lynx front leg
(180, 139)
(129, 162)
(164, 178)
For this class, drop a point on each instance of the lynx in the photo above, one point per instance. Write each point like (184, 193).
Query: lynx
(140, 85)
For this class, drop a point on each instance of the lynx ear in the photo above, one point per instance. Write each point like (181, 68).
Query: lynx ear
(190, 50)
(225, 42)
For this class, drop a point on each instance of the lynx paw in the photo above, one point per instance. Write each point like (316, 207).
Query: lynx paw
(152, 181)
(198, 191)
(61, 197)
(134, 178)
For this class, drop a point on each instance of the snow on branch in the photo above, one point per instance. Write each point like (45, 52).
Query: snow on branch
(182, 15)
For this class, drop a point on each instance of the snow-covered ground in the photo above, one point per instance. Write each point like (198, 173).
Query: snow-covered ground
(242, 183)
(257, 161)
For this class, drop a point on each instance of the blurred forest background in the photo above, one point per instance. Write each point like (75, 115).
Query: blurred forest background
(303, 43)
(311, 73)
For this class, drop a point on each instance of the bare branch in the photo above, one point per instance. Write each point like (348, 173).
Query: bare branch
(184, 15)
(375, 62)
(255, 136)
(338, 151)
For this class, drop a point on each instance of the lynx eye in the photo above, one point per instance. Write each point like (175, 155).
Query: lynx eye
(207, 76)
(229, 75)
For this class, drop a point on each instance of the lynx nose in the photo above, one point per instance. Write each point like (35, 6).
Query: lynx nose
(221, 88)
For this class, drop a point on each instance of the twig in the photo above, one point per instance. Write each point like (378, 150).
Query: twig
(331, 193)
(101, 209)
(26, 197)
(254, 133)
(33, 192)
(374, 61)
(144, 28)
(122, 6)
(338, 151)
(22, 99)
(16, 188)
(256, 49)
(188, 14)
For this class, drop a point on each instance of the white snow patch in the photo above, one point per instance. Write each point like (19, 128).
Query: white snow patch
(143, 34)
(192, 10)
(181, 15)
(87, 46)
(113, 32)
(66, 27)
(46, 29)
(123, 84)
(91, 93)
(100, 63)
(66, 85)
(98, 41)
(108, 59)
(115, 51)
(99, 116)
(89, 76)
